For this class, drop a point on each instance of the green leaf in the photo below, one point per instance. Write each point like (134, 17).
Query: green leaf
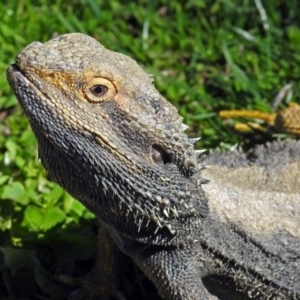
(7, 102)
(15, 192)
(42, 219)
(33, 215)
(3, 179)
(54, 195)
(294, 37)
(68, 202)
(78, 208)
(12, 148)
(52, 216)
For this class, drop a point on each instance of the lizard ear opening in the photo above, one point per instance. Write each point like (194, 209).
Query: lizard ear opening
(159, 155)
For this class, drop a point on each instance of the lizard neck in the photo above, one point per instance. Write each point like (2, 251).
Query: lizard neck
(108, 194)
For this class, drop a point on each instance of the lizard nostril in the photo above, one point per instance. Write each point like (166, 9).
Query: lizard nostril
(159, 155)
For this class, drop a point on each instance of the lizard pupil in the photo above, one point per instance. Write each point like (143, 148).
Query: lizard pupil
(99, 90)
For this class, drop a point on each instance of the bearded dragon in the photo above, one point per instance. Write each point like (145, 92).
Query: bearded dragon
(108, 137)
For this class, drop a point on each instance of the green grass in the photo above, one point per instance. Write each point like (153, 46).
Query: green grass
(205, 56)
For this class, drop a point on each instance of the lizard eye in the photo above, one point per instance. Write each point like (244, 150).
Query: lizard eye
(99, 89)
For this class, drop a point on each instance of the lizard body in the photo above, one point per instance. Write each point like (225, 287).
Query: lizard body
(108, 137)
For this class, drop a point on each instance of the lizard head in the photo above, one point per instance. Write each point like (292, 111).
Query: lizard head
(109, 138)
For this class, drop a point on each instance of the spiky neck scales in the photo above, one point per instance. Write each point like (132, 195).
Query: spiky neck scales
(126, 201)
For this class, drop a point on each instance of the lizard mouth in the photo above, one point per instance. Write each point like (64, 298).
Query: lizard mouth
(19, 82)
(17, 78)
(35, 99)
(11, 73)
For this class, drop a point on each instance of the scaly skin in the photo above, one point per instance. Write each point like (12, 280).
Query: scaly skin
(109, 138)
